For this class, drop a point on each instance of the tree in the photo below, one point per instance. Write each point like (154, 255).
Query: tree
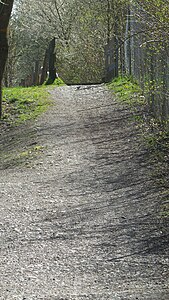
(5, 12)
(52, 62)
(39, 23)
(81, 29)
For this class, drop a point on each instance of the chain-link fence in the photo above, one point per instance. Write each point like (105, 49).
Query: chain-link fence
(146, 58)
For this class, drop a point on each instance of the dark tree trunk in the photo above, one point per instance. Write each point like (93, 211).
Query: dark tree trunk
(127, 44)
(5, 79)
(52, 62)
(5, 12)
(3, 58)
(116, 48)
(0, 99)
(108, 21)
(36, 74)
(44, 68)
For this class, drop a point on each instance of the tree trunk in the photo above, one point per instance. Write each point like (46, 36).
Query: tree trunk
(3, 58)
(116, 48)
(0, 99)
(44, 68)
(36, 73)
(108, 21)
(5, 12)
(127, 44)
(5, 78)
(52, 62)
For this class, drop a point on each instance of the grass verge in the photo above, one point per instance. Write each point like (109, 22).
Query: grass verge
(21, 104)
(127, 90)
(19, 145)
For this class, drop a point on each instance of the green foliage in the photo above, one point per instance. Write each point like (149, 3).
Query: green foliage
(158, 11)
(127, 90)
(82, 29)
(21, 104)
(159, 139)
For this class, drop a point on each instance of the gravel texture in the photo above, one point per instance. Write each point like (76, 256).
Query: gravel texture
(79, 220)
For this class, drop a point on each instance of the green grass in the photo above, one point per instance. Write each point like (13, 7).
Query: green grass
(20, 104)
(127, 90)
(58, 82)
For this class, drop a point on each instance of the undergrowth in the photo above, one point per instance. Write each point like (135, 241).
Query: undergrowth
(157, 140)
(127, 90)
(155, 134)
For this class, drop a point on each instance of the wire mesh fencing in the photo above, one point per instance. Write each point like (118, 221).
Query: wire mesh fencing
(145, 49)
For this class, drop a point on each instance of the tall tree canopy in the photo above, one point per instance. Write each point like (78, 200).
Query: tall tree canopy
(81, 30)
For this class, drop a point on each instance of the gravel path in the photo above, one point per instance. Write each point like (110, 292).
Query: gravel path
(80, 221)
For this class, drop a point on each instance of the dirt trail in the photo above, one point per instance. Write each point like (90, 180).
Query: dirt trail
(80, 221)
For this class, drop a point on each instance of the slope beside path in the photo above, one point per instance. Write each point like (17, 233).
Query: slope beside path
(79, 221)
